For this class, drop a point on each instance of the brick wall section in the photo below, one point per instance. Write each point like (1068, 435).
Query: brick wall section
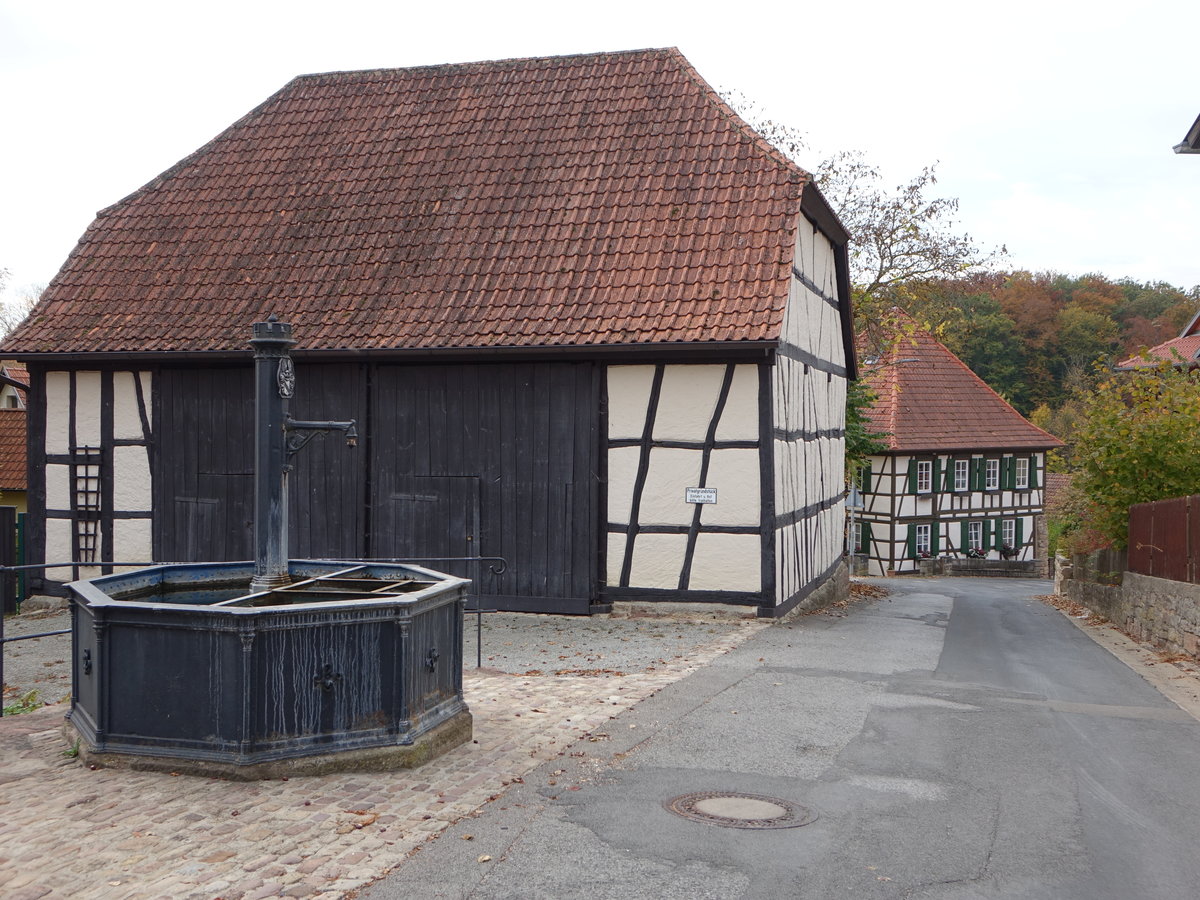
(1165, 614)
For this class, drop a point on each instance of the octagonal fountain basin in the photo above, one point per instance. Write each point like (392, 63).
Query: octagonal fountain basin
(351, 666)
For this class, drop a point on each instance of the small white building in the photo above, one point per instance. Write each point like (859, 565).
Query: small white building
(964, 474)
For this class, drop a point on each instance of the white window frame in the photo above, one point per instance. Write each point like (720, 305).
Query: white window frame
(1021, 476)
(924, 476)
(962, 469)
(1008, 533)
(975, 536)
(992, 476)
(924, 540)
(856, 536)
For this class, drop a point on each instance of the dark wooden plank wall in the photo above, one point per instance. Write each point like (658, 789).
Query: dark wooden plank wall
(529, 434)
(454, 460)
(204, 478)
(326, 513)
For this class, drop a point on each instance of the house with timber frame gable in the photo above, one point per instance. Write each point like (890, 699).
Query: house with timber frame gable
(557, 295)
(964, 473)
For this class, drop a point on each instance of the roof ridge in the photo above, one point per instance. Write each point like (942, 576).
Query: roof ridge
(493, 63)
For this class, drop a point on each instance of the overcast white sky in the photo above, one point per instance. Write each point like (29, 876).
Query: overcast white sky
(1053, 121)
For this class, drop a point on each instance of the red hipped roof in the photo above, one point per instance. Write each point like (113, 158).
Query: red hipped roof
(929, 400)
(567, 201)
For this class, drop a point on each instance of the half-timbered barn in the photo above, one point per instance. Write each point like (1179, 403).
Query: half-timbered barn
(586, 319)
(964, 472)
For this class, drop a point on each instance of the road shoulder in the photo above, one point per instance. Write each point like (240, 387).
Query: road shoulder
(1177, 680)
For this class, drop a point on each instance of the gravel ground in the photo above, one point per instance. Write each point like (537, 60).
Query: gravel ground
(517, 643)
(42, 665)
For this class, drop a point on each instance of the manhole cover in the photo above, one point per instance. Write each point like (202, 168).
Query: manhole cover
(735, 810)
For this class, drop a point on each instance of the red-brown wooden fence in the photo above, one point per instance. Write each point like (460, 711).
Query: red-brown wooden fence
(1164, 538)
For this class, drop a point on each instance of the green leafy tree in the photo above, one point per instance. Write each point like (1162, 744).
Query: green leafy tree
(1138, 442)
(861, 441)
(1085, 335)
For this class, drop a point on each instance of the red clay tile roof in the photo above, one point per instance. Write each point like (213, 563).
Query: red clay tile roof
(1177, 350)
(15, 371)
(12, 450)
(586, 200)
(928, 400)
(1057, 485)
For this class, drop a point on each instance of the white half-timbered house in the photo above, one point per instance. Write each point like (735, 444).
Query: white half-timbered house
(585, 318)
(964, 474)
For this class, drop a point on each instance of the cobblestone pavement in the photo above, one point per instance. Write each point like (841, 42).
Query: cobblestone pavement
(66, 831)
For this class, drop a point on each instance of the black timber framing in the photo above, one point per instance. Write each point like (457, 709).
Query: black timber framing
(317, 473)
(35, 495)
(766, 486)
(950, 507)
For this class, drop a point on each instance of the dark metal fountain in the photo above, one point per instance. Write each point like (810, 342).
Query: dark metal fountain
(253, 670)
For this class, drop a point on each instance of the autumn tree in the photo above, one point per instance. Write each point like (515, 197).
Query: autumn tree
(899, 235)
(1138, 442)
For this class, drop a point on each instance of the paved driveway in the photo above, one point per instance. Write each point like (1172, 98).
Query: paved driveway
(958, 740)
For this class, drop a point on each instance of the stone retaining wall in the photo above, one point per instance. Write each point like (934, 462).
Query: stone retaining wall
(1165, 614)
(997, 568)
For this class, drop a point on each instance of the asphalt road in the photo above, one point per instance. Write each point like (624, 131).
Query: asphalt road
(958, 740)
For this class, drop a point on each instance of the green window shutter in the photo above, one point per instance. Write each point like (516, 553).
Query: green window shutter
(1033, 477)
(912, 476)
(934, 484)
(1019, 535)
(964, 537)
(998, 533)
(987, 534)
(935, 532)
(912, 541)
(865, 538)
(865, 476)
(976, 478)
(1008, 472)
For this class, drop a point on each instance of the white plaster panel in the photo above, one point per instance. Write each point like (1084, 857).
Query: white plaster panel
(58, 547)
(739, 418)
(670, 473)
(727, 562)
(615, 558)
(58, 412)
(658, 561)
(58, 486)
(628, 400)
(131, 479)
(735, 475)
(127, 419)
(132, 541)
(87, 409)
(687, 401)
(622, 473)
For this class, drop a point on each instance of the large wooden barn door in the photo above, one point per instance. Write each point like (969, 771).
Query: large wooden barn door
(491, 460)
